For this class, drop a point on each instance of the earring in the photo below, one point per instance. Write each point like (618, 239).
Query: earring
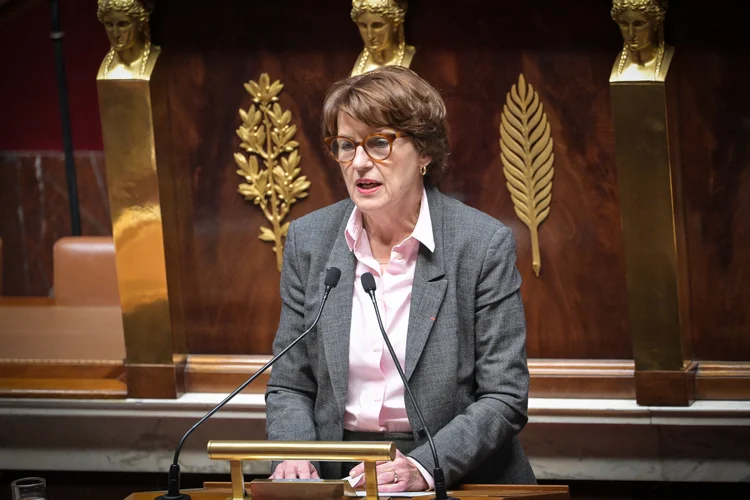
(423, 170)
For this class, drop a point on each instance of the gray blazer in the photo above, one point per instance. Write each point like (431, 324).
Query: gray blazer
(465, 351)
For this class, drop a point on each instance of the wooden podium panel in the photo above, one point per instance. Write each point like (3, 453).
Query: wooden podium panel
(220, 491)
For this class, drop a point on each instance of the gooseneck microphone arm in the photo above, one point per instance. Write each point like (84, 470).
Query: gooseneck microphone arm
(173, 489)
(441, 493)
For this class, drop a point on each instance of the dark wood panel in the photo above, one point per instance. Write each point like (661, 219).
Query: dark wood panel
(715, 150)
(34, 213)
(576, 310)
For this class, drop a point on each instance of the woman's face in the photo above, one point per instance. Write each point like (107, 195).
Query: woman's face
(122, 30)
(376, 31)
(637, 30)
(387, 185)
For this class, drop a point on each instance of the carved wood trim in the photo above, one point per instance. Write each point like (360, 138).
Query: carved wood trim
(68, 379)
(614, 379)
(723, 380)
(549, 378)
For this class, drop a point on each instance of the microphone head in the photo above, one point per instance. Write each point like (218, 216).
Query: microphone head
(332, 277)
(368, 282)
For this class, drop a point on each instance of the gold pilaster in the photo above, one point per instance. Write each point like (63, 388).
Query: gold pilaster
(133, 114)
(651, 205)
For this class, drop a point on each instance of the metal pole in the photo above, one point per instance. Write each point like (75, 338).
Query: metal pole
(62, 91)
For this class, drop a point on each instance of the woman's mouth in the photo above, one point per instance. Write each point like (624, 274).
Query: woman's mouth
(367, 186)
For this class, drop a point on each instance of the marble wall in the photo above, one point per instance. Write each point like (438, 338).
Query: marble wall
(564, 439)
(34, 213)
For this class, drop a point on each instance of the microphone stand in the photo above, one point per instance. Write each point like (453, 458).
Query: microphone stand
(441, 493)
(173, 488)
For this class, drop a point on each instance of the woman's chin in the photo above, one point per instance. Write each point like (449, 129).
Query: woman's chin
(368, 204)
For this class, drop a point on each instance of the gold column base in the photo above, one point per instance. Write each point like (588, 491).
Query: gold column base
(666, 387)
(147, 381)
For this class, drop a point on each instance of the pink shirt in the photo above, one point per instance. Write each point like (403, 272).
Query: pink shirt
(375, 396)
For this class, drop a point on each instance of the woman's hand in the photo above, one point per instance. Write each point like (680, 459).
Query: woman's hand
(398, 475)
(295, 469)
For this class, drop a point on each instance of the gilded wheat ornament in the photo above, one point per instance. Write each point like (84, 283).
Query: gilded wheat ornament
(526, 152)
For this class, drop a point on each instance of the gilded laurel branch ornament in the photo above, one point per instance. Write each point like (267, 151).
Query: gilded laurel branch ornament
(526, 152)
(266, 133)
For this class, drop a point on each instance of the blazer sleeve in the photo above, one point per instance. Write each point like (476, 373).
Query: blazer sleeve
(292, 388)
(501, 374)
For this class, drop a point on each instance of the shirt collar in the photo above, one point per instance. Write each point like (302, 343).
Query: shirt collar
(422, 230)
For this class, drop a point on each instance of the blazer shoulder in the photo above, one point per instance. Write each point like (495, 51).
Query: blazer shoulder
(468, 222)
(324, 221)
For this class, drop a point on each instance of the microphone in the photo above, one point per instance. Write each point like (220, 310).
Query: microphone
(173, 489)
(368, 283)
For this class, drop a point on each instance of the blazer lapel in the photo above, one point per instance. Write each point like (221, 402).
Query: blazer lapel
(428, 289)
(335, 323)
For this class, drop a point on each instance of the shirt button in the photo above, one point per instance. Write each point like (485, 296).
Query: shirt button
(399, 256)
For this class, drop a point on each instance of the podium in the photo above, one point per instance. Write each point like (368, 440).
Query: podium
(222, 491)
(351, 451)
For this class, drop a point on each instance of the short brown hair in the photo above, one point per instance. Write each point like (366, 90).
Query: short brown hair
(392, 96)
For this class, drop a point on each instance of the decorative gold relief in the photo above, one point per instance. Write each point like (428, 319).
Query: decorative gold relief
(526, 151)
(266, 133)
(644, 55)
(381, 26)
(131, 55)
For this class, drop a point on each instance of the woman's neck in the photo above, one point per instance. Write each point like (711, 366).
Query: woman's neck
(388, 228)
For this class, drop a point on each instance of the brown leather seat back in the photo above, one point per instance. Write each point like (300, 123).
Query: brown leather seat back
(85, 271)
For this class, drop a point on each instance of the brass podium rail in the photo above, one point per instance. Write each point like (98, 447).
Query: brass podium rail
(328, 451)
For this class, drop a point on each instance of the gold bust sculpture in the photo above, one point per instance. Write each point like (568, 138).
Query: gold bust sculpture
(131, 57)
(644, 56)
(381, 26)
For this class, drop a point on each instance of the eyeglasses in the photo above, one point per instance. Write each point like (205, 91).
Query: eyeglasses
(377, 146)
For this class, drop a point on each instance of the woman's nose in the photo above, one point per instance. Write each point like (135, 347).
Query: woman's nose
(361, 160)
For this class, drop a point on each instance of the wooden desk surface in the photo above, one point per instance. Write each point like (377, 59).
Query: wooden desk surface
(220, 491)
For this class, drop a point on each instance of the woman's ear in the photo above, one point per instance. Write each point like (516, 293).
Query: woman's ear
(424, 161)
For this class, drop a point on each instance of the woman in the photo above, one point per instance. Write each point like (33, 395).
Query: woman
(447, 288)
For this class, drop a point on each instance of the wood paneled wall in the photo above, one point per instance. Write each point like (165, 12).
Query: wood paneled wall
(472, 51)
(473, 54)
(715, 143)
